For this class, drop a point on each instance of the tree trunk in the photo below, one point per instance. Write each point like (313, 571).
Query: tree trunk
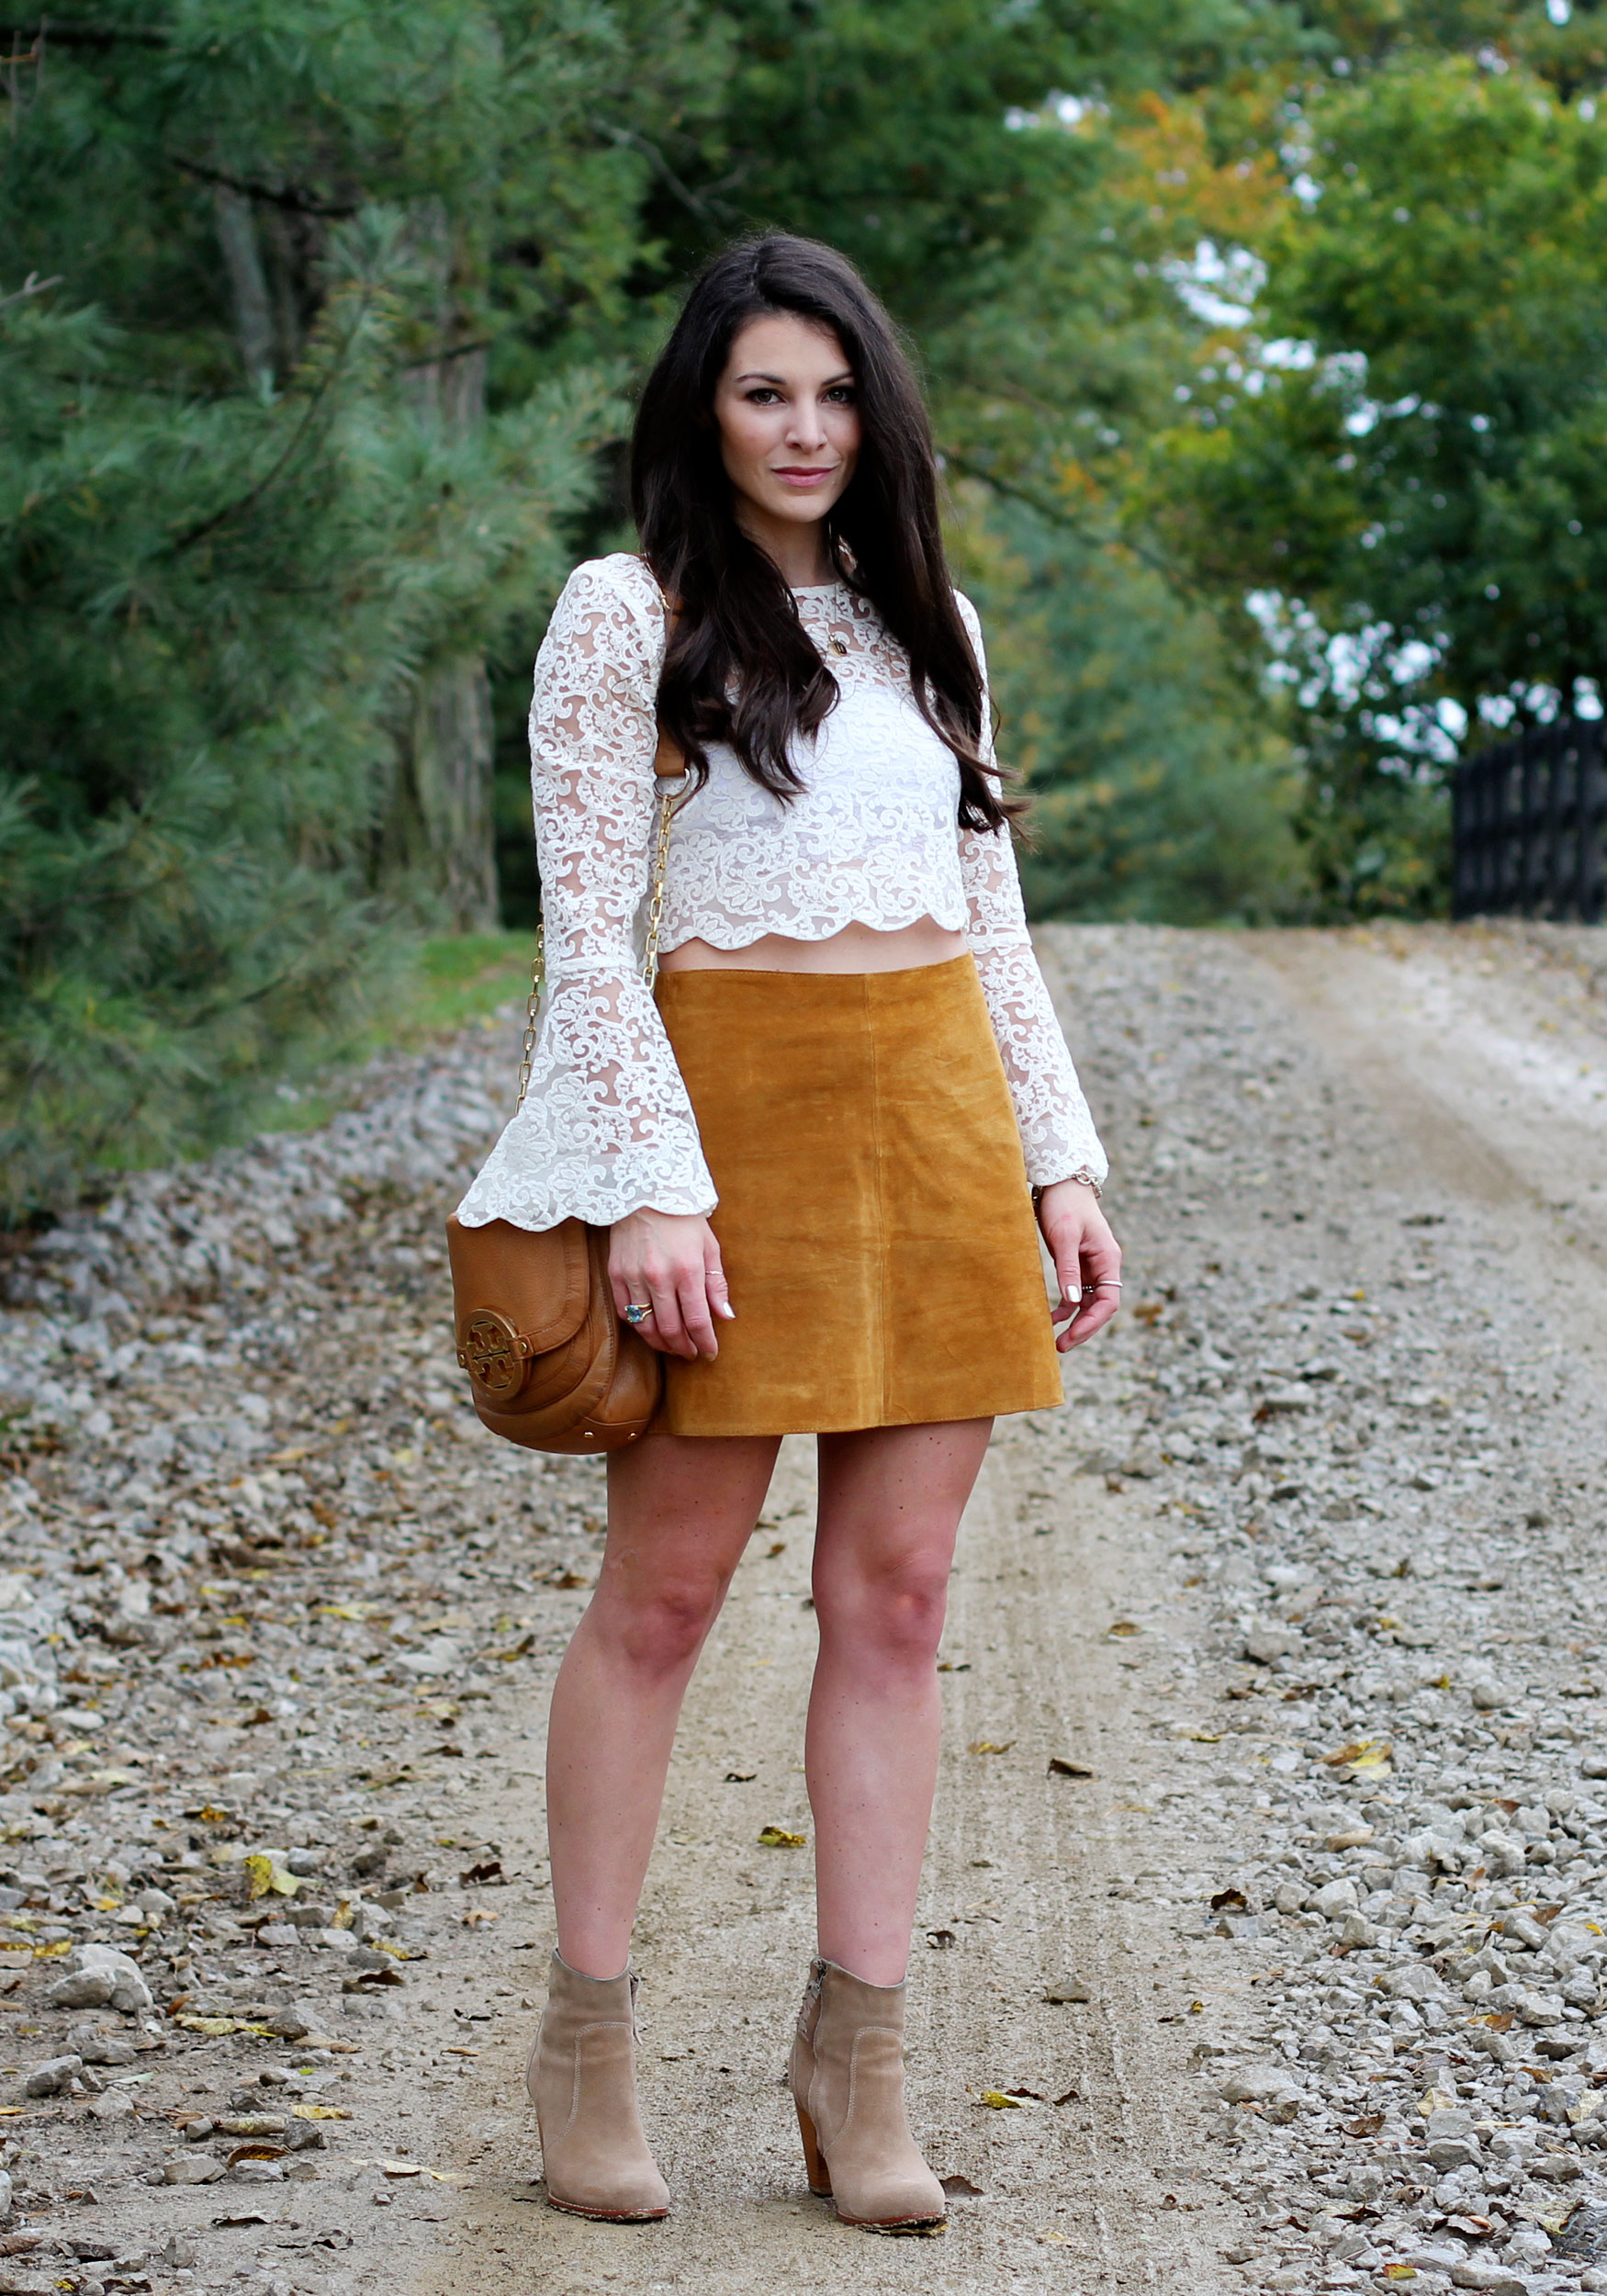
(450, 756)
(253, 317)
(446, 797)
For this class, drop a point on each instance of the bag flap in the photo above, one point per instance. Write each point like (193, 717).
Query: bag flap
(536, 1279)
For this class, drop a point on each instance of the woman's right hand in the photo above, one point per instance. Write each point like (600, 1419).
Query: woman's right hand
(672, 1261)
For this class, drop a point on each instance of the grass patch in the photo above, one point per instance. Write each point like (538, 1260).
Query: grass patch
(461, 978)
(453, 981)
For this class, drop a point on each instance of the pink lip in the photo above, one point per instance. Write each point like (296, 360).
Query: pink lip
(800, 476)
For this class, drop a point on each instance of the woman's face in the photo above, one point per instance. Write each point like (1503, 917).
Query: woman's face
(788, 418)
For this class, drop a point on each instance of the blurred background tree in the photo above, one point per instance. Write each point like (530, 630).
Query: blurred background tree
(1264, 344)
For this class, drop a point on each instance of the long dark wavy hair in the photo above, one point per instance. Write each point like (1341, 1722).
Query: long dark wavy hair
(737, 633)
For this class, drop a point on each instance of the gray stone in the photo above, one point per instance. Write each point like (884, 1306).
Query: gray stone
(192, 2169)
(1257, 2084)
(103, 1978)
(1267, 1641)
(50, 2075)
(131, 1994)
(83, 1988)
(97, 2048)
(1334, 1900)
(1067, 1989)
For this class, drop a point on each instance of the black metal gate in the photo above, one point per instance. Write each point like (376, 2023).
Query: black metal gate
(1529, 827)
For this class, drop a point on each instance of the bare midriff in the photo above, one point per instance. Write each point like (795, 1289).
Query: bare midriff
(856, 949)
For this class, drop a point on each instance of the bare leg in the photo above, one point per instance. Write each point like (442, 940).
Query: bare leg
(680, 1510)
(891, 1498)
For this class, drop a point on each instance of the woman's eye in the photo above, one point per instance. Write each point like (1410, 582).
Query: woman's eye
(842, 394)
(762, 397)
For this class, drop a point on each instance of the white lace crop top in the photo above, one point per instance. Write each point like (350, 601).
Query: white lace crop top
(606, 1127)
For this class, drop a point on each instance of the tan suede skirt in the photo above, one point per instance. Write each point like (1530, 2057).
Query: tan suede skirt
(874, 1217)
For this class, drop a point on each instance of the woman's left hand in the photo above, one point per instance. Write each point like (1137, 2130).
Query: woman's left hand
(1087, 1259)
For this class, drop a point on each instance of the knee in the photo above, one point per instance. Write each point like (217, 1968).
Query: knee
(897, 1613)
(659, 1630)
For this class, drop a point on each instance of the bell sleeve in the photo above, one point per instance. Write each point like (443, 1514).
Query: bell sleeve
(1057, 1137)
(606, 1127)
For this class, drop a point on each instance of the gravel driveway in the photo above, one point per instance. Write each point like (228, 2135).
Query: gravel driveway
(1267, 1919)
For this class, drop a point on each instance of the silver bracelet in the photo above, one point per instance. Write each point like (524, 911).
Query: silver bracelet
(1082, 1173)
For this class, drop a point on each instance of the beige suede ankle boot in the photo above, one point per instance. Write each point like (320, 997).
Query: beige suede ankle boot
(848, 2084)
(582, 2082)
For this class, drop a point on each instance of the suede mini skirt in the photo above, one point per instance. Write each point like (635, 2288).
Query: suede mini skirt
(875, 1221)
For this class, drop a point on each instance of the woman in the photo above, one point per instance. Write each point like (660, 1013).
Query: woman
(817, 1150)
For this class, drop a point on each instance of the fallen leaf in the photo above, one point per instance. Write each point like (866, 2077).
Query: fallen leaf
(1124, 1627)
(1365, 1757)
(777, 1838)
(989, 1746)
(960, 2189)
(1230, 1901)
(257, 2152)
(1367, 2125)
(521, 1650)
(1060, 1768)
(1000, 2102)
(319, 2112)
(740, 1777)
(266, 1876)
(1207, 1738)
(1375, 1761)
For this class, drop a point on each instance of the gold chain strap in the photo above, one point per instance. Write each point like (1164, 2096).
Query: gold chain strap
(667, 797)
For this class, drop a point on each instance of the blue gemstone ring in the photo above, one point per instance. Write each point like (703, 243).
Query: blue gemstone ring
(637, 1313)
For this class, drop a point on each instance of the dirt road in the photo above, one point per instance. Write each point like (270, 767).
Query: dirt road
(1298, 1591)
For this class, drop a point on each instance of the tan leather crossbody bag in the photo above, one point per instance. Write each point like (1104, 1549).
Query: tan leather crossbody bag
(550, 1365)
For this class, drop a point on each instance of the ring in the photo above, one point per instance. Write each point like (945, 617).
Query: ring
(637, 1312)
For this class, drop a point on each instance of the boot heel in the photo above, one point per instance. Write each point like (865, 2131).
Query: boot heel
(814, 2159)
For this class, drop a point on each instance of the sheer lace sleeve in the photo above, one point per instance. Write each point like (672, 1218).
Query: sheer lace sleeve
(1057, 1131)
(606, 1127)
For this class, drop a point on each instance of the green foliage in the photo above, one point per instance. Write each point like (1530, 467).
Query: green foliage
(1160, 790)
(213, 610)
(1421, 497)
(318, 387)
